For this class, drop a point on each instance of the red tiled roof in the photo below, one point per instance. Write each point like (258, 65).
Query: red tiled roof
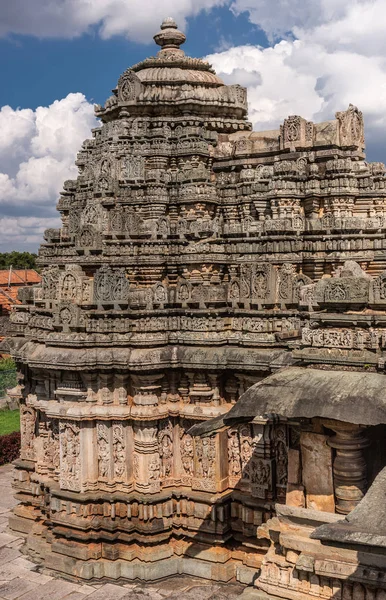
(8, 297)
(19, 277)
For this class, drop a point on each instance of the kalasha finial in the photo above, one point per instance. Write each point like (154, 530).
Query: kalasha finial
(170, 37)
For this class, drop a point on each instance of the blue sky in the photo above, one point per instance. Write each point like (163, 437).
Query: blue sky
(39, 71)
(59, 57)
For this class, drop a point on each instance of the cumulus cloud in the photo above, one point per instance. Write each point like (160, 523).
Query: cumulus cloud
(137, 19)
(37, 154)
(23, 233)
(333, 53)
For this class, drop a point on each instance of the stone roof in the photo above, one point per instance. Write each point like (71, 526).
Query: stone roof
(352, 397)
(366, 524)
(171, 77)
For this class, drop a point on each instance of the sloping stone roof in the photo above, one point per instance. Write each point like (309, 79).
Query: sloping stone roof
(297, 392)
(366, 524)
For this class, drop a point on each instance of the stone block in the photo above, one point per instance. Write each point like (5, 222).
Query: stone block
(110, 591)
(317, 472)
(15, 588)
(53, 590)
(246, 575)
(295, 495)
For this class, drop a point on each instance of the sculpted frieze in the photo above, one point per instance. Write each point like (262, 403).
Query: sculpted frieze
(342, 338)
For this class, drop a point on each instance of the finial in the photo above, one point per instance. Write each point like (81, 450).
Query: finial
(170, 37)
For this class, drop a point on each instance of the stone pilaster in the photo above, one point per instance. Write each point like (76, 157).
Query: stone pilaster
(349, 467)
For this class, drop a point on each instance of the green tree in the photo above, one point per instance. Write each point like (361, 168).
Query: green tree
(18, 260)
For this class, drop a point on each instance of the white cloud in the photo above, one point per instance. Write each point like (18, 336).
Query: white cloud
(137, 19)
(334, 53)
(37, 154)
(23, 233)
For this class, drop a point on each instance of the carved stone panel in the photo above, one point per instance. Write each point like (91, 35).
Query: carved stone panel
(70, 459)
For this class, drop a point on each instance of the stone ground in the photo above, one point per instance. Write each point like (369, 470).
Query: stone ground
(21, 578)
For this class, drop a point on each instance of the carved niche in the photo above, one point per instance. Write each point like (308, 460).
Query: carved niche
(88, 237)
(234, 458)
(257, 284)
(379, 290)
(110, 285)
(296, 132)
(93, 214)
(70, 284)
(205, 472)
(351, 285)
(104, 452)
(119, 451)
(281, 461)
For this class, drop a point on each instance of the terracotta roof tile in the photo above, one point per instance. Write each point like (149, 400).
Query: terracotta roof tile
(8, 297)
(19, 277)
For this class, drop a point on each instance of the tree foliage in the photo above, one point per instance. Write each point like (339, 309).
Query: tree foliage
(18, 260)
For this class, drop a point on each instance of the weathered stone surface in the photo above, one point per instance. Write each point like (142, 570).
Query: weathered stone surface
(366, 524)
(15, 588)
(317, 472)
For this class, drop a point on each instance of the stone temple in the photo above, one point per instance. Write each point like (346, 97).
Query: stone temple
(202, 367)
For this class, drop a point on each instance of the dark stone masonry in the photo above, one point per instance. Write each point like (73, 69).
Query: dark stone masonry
(202, 367)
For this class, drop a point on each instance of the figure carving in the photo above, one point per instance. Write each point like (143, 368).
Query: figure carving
(119, 450)
(206, 453)
(104, 455)
(69, 456)
(234, 454)
(165, 443)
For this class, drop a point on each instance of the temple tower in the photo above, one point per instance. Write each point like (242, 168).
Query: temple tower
(183, 273)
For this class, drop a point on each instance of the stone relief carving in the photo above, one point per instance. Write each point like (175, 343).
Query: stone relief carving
(187, 452)
(27, 430)
(69, 437)
(234, 458)
(104, 452)
(165, 444)
(111, 285)
(351, 127)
